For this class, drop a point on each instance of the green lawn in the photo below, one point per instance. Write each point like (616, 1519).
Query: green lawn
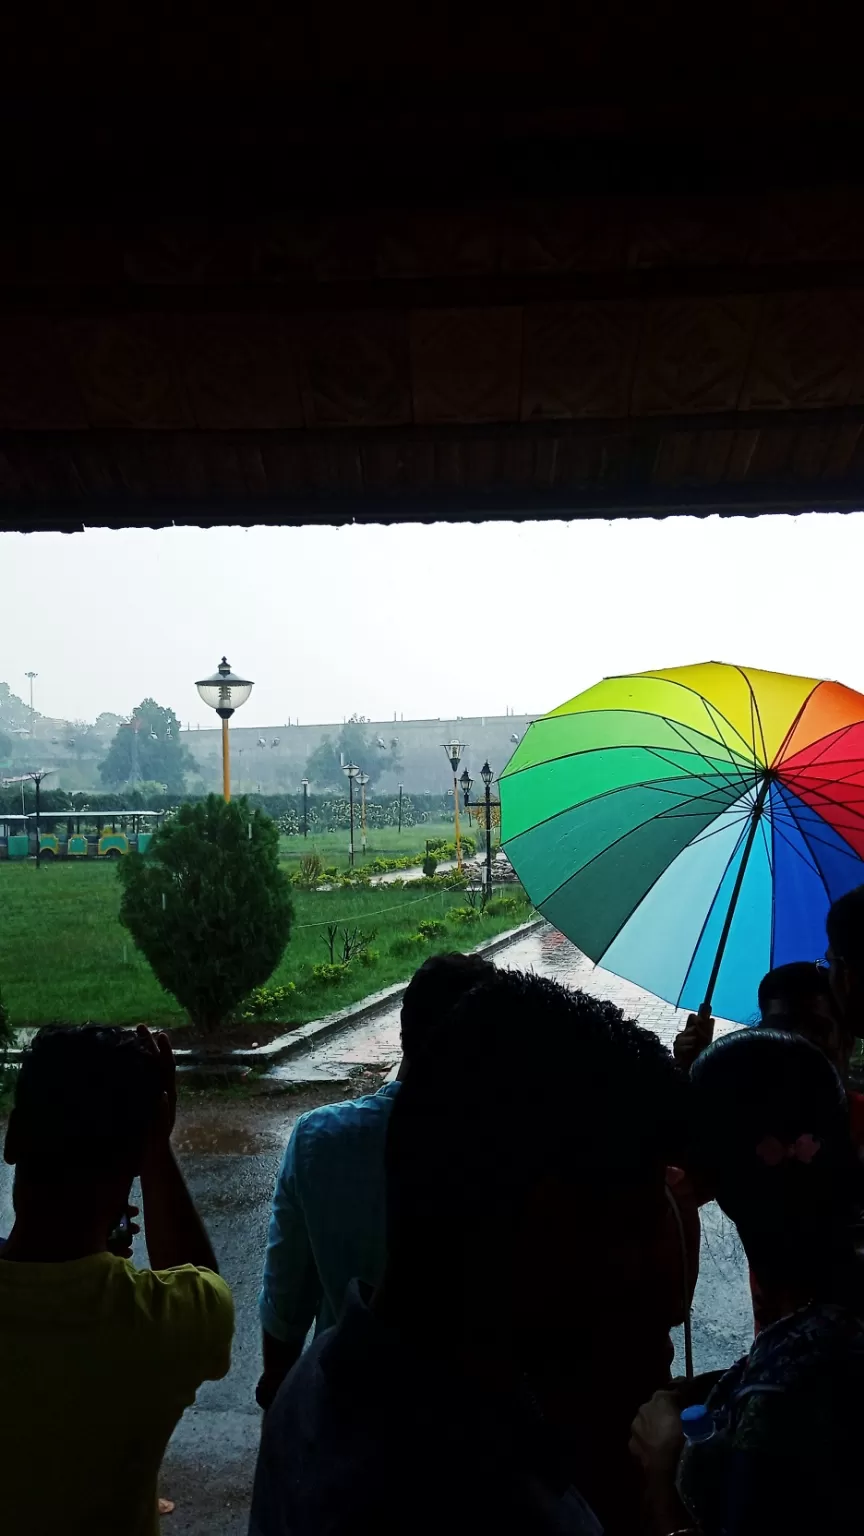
(65, 958)
(381, 843)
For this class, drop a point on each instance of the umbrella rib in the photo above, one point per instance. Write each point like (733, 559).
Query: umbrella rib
(811, 838)
(778, 755)
(825, 799)
(703, 778)
(739, 767)
(830, 740)
(604, 794)
(647, 892)
(711, 905)
(628, 746)
(685, 687)
(804, 838)
(754, 706)
(801, 775)
(614, 844)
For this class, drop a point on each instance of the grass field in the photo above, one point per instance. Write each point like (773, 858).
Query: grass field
(382, 843)
(65, 958)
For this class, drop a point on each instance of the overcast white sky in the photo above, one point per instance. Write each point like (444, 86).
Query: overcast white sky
(425, 621)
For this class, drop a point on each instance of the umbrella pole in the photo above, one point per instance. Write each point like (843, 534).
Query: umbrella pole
(736, 890)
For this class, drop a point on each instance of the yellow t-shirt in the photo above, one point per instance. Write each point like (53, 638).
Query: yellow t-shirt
(97, 1362)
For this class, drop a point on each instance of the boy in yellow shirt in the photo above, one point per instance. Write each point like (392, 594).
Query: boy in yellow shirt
(98, 1359)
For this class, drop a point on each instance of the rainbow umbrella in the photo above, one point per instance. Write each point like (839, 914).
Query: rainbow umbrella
(688, 829)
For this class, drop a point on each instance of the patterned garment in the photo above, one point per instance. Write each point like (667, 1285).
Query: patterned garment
(790, 1421)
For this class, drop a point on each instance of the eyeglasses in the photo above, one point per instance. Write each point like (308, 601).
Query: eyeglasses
(825, 962)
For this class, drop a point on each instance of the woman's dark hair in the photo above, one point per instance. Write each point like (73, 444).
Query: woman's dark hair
(845, 927)
(771, 1140)
(793, 984)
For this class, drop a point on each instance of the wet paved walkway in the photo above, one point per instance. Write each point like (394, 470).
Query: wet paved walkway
(230, 1145)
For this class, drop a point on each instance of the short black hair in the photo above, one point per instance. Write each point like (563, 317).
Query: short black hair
(793, 984)
(755, 1089)
(845, 925)
(434, 990)
(602, 1104)
(85, 1100)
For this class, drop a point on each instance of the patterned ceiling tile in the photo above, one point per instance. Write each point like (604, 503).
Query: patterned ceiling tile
(437, 244)
(128, 370)
(693, 355)
(578, 359)
(583, 236)
(357, 369)
(465, 364)
(819, 226)
(242, 370)
(37, 388)
(690, 232)
(806, 352)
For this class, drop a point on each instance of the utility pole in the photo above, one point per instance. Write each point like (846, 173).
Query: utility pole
(32, 676)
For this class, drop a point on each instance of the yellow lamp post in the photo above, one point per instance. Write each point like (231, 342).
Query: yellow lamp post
(225, 692)
(454, 750)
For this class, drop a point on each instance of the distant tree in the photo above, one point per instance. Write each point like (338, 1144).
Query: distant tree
(5, 747)
(354, 744)
(209, 906)
(107, 722)
(13, 711)
(148, 748)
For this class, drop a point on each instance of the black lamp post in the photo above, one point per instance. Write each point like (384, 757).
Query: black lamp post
(305, 787)
(37, 783)
(400, 810)
(486, 804)
(352, 771)
(454, 750)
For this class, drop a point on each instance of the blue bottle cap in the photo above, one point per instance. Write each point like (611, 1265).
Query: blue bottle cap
(697, 1423)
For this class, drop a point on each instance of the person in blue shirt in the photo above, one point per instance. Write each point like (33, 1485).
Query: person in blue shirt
(327, 1224)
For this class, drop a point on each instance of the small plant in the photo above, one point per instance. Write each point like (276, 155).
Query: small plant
(269, 1002)
(477, 897)
(430, 864)
(464, 915)
(309, 872)
(370, 957)
(409, 944)
(353, 944)
(432, 928)
(329, 975)
(500, 906)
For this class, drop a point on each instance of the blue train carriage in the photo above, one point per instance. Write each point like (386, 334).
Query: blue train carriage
(78, 834)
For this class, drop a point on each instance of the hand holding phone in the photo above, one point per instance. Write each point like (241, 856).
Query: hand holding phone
(122, 1232)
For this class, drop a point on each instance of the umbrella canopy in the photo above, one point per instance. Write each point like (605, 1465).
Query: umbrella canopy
(689, 828)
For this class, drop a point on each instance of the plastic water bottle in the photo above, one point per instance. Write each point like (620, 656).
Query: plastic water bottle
(697, 1424)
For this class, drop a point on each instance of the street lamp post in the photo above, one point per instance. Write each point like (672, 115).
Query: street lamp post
(352, 771)
(304, 785)
(37, 783)
(225, 692)
(400, 810)
(454, 750)
(363, 780)
(32, 676)
(486, 804)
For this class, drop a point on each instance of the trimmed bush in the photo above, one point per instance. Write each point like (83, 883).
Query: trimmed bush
(209, 906)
